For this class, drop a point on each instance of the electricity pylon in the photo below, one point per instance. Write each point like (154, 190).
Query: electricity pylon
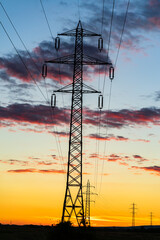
(88, 203)
(151, 218)
(73, 201)
(133, 214)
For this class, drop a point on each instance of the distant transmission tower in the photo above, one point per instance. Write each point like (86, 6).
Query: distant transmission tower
(151, 218)
(133, 214)
(88, 203)
(73, 201)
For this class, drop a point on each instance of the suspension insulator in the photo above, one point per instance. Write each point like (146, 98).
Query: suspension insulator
(44, 70)
(100, 101)
(57, 43)
(111, 73)
(100, 44)
(53, 100)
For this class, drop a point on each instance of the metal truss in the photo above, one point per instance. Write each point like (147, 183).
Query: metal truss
(73, 201)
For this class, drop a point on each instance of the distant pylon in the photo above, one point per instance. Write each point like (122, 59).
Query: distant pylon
(88, 203)
(73, 201)
(151, 218)
(133, 214)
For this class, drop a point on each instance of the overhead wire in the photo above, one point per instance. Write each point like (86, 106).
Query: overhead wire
(109, 39)
(105, 142)
(52, 111)
(102, 16)
(97, 141)
(99, 117)
(27, 69)
(46, 99)
(120, 42)
(30, 56)
(28, 73)
(108, 48)
(46, 19)
(11, 22)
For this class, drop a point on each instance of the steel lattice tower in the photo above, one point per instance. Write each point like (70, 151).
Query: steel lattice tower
(88, 201)
(73, 201)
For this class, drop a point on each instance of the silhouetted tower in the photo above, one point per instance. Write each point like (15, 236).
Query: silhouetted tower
(151, 218)
(88, 203)
(73, 201)
(133, 214)
(87, 208)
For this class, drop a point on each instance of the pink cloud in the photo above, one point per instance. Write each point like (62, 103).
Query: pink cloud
(155, 21)
(152, 169)
(33, 170)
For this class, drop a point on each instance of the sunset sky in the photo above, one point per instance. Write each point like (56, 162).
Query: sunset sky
(120, 145)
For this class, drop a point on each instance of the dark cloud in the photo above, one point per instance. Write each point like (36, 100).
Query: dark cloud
(157, 95)
(139, 159)
(60, 133)
(11, 65)
(142, 18)
(120, 158)
(152, 169)
(38, 114)
(108, 138)
(124, 117)
(41, 115)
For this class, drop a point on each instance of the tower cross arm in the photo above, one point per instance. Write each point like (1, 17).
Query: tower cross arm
(69, 59)
(87, 60)
(84, 32)
(85, 89)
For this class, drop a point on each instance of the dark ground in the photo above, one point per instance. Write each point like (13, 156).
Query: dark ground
(31, 232)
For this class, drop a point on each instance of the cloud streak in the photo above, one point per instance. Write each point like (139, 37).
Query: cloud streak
(41, 115)
(33, 170)
(151, 169)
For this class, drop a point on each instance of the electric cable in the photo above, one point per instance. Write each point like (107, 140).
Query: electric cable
(11, 22)
(52, 111)
(28, 71)
(107, 119)
(120, 42)
(46, 19)
(24, 65)
(109, 39)
(102, 17)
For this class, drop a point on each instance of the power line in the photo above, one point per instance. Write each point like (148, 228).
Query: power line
(102, 17)
(120, 42)
(46, 19)
(11, 22)
(33, 81)
(110, 31)
(109, 39)
(107, 118)
(58, 142)
(47, 100)
(114, 66)
(23, 61)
